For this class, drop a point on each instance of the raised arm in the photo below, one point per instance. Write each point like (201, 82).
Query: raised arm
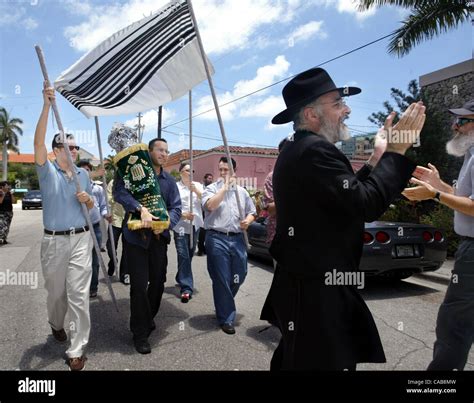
(41, 153)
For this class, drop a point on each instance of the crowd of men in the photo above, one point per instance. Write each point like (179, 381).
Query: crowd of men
(322, 327)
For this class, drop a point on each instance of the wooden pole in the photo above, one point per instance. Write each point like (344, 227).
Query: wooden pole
(104, 186)
(160, 117)
(191, 165)
(140, 127)
(85, 211)
(218, 112)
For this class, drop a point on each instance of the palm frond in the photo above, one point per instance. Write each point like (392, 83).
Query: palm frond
(366, 4)
(427, 21)
(16, 121)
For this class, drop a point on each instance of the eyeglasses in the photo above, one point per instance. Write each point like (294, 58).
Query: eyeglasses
(188, 170)
(71, 148)
(462, 121)
(340, 103)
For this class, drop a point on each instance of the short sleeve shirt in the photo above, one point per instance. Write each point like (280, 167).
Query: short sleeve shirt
(61, 209)
(226, 218)
(463, 223)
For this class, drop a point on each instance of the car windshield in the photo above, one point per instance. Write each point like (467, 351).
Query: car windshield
(33, 194)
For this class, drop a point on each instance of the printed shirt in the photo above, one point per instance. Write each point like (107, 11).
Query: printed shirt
(268, 198)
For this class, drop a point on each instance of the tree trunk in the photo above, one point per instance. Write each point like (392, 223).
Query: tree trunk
(4, 161)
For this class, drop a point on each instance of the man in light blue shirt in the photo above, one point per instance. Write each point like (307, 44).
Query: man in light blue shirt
(66, 244)
(455, 323)
(52, 178)
(96, 213)
(225, 244)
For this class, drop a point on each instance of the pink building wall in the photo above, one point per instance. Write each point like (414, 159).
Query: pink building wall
(251, 169)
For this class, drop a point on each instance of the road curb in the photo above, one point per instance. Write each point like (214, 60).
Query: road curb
(435, 277)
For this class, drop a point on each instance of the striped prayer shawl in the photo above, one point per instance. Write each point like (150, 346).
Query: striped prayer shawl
(151, 62)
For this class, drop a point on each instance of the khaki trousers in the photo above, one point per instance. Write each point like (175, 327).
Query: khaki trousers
(66, 261)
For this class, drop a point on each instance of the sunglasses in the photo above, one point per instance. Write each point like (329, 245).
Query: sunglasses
(71, 148)
(462, 121)
(188, 170)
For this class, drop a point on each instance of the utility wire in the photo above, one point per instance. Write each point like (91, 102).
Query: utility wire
(280, 81)
(219, 139)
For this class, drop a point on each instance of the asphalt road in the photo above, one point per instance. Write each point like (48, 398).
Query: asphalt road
(187, 336)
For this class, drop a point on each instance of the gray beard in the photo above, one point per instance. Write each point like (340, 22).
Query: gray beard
(460, 144)
(334, 133)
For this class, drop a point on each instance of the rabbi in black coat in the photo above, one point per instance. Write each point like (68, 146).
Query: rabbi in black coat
(326, 325)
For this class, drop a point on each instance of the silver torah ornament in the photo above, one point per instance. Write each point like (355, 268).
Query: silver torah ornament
(122, 137)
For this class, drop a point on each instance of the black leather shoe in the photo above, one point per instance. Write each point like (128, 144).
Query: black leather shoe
(142, 346)
(228, 328)
(152, 327)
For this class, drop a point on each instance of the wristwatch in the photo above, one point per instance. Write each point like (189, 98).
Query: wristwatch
(437, 197)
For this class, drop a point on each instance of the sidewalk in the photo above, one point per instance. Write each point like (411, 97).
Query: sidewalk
(442, 275)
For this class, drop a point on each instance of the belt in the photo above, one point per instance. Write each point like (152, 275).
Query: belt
(68, 232)
(467, 238)
(228, 233)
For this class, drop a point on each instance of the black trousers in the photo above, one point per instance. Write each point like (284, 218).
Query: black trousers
(147, 270)
(455, 322)
(117, 231)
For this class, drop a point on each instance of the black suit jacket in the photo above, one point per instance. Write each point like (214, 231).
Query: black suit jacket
(322, 205)
(321, 209)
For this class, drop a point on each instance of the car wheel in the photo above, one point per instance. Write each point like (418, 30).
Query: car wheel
(23, 207)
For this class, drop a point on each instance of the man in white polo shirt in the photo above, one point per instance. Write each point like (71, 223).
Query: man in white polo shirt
(66, 248)
(225, 242)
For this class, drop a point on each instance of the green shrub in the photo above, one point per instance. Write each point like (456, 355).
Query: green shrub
(23, 176)
(401, 211)
(176, 175)
(442, 217)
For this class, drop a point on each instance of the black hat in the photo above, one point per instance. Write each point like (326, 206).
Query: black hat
(467, 109)
(305, 88)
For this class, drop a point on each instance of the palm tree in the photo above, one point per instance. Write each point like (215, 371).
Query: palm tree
(109, 167)
(429, 18)
(9, 131)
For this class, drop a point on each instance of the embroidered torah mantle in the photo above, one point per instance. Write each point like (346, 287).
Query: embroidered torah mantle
(136, 169)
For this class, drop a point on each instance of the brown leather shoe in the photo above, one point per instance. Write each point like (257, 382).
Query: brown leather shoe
(59, 335)
(77, 363)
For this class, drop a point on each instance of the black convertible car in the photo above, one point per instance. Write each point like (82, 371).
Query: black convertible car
(391, 249)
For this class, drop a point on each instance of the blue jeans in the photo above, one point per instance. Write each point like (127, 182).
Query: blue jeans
(184, 276)
(455, 322)
(227, 266)
(95, 260)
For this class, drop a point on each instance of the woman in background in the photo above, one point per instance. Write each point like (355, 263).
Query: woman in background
(6, 211)
(188, 222)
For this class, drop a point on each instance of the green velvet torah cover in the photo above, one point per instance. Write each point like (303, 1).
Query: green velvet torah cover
(136, 169)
